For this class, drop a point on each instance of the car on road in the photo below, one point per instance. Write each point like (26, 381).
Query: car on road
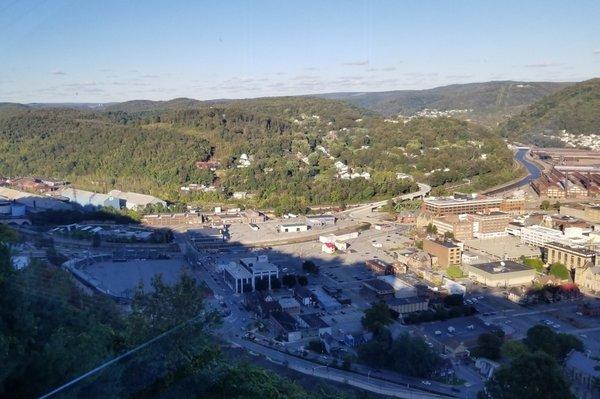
(425, 382)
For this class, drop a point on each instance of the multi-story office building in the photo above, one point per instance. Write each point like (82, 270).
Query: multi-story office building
(490, 225)
(460, 204)
(459, 225)
(446, 252)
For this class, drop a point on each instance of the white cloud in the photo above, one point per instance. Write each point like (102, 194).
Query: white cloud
(58, 72)
(356, 63)
(543, 64)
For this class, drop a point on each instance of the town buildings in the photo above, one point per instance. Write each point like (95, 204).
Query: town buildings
(379, 266)
(588, 279)
(500, 274)
(570, 256)
(583, 373)
(589, 212)
(459, 226)
(446, 252)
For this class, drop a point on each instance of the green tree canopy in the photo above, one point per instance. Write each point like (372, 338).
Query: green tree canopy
(377, 317)
(532, 375)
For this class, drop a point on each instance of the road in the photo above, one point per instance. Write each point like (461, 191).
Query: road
(361, 212)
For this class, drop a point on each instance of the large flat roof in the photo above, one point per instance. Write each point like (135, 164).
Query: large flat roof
(500, 267)
(237, 271)
(579, 250)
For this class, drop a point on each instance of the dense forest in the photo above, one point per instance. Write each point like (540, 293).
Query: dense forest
(487, 102)
(292, 143)
(575, 109)
(51, 332)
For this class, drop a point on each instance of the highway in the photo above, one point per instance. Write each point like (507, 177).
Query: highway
(358, 212)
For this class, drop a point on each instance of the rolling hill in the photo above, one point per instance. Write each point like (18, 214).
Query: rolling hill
(575, 109)
(490, 102)
(294, 145)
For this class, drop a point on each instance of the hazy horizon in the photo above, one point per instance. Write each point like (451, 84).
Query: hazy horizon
(67, 51)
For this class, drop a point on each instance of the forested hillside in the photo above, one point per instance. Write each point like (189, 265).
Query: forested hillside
(575, 109)
(293, 145)
(490, 102)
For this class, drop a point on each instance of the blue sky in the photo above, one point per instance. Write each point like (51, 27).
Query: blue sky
(97, 51)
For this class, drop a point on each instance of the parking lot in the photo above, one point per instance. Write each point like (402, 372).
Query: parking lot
(509, 247)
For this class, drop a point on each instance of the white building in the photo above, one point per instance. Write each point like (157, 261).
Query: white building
(292, 228)
(136, 200)
(401, 288)
(248, 271)
(539, 236)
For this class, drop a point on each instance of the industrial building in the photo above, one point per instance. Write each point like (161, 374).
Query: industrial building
(568, 182)
(500, 274)
(89, 199)
(132, 200)
(172, 219)
(35, 202)
(320, 220)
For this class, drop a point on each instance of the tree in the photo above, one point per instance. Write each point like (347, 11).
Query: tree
(513, 349)
(289, 280)
(431, 228)
(96, 240)
(488, 346)
(275, 283)
(302, 280)
(449, 235)
(411, 356)
(532, 375)
(534, 263)
(317, 346)
(377, 317)
(310, 267)
(453, 300)
(560, 271)
(545, 205)
(541, 338)
(567, 343)
(261, 284)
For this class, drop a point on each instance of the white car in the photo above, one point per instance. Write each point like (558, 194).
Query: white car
(425, 382)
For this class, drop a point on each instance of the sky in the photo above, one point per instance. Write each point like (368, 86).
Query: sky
(108, 50)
